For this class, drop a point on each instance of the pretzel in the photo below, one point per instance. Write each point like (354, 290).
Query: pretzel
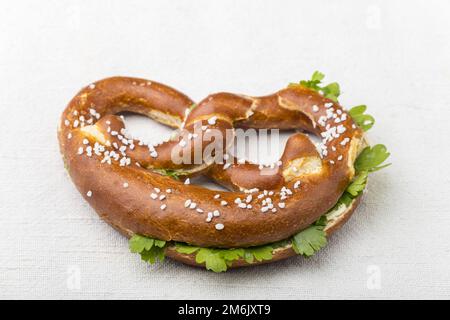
(121, 178)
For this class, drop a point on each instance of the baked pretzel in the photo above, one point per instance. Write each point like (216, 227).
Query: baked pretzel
(122, 178)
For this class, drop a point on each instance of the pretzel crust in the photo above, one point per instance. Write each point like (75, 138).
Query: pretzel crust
(132, 211)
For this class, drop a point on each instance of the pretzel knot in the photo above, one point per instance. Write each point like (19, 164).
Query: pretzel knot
(130, 186)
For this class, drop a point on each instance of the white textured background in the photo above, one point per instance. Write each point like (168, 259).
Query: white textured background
(393, 56)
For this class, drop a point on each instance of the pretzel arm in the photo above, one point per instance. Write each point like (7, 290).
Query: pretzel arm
(299, 156)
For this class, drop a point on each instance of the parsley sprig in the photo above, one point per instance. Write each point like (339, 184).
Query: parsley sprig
(310, 240)
(364, 121)
(369, 160)
(330, 91)
(149, 249)
(218, 260)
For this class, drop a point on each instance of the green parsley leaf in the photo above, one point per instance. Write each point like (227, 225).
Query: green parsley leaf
(317, 76)
(322, 221)
(138, 243)
(218, 260)
(371, 158)
(309, 241)
(259, 253)
(212, 259)
(159, 243)
(248, 257)
(364, 121)
(149, 249)
(231, 254)
(356, 110)
(358, 184)
(330, 91)
(153, 254)
(185, 248)
(346, 199)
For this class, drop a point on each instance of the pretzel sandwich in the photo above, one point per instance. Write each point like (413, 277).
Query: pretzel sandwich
(141, 191)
